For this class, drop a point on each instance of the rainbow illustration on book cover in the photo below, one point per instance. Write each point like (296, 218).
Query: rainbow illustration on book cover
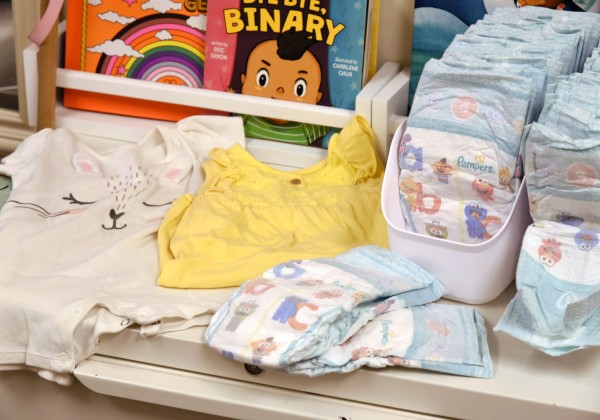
(159, 41)
(164, 48)
(154, 40)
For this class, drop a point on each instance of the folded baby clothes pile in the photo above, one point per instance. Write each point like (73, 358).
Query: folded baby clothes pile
(557, 306)
(367, 306)
(248, 216)
(79, 251)
(459, 157)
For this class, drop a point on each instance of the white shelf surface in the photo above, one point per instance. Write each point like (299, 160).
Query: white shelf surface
(221, 396)
(527, 383)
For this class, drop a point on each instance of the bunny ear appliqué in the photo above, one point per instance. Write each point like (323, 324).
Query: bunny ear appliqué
(85, 162)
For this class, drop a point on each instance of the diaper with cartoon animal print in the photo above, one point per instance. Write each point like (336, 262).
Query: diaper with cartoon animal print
(557, 306)
(460, 157)
(300, 309)
(459, 153)
(562, 175)
(436, 336)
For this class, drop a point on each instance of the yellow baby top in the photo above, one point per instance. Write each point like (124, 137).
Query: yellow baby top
(248, 217)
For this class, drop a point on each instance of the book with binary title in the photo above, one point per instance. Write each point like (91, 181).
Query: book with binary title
(307, 51)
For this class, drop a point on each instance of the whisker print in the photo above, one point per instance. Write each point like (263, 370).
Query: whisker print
(29, 206)
(44, 215)
(49, 216)
(42, 212)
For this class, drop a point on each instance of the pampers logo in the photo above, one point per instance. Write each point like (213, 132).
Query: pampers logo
(385, 330)
(476, 166)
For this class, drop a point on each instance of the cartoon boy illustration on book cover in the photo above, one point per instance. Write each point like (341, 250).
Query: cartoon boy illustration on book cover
(302, 51)
(283, 68)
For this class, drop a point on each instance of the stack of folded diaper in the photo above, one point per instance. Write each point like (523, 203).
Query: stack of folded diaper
(563, 21)
(557, 306)
(459, 157)
(366, 307)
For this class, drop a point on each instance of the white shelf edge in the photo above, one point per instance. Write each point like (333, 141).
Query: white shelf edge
(389, 107)
(202, 98)
(224, 397)
(363, 100)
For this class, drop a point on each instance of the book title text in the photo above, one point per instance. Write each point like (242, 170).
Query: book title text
(302, 15)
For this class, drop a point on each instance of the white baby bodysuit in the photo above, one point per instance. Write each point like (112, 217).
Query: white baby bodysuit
(78, 232)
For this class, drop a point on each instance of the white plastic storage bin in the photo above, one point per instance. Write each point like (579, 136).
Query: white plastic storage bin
(472, 273)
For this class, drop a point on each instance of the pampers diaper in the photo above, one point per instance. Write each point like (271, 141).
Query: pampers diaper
(562, 175)
(366, 307)
(592, 63)
(577, 117)
(459, 153)
(300, 309)
(557, 306)
(489, 106)
(558, 51)
(438, 337)
(535, 32)
(565, 20)
(583, 86)
(534, 68)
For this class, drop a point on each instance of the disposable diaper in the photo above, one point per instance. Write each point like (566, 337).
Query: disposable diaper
(588, 22)
(562, 175)
(552, 31)
(488, 106)
(561, 51)
(300, 309)
(576, 118)
(454, 204)
(459, 153)
(535, 68)
(571, 90)
(438, 337)
(557, 306)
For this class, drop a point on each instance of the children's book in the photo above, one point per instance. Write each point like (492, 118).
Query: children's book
(309, 51)
(161, 41)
